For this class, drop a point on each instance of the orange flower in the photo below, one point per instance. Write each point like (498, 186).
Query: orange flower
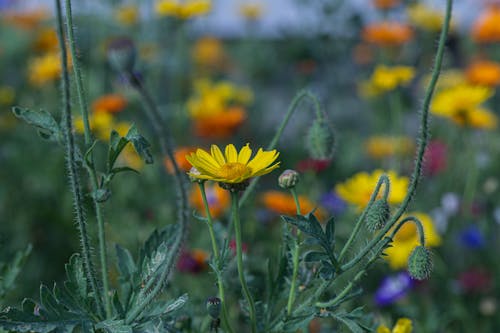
(387, 33)
(46, 41)
(486, 29)
(180, 158)
(111, 103)
(484, 72)
(26, 20)
(217, 197)
(283, 203)
(220, 125)
(209, 52)
(385, 4)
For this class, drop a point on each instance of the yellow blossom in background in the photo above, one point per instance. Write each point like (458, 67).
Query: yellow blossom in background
(447, 79)
(407, 238)
(462, 105)
(208, 52)
(101, 124)
(379, 147)
(483, 72)
(46, 40)
(44, 69)
(403, 325)
(385, 79)
(7, 95)
(130, 158)
(425, 17)
(183, 10)
(358, 189)
(251, 10)
(232, 167)
(127, 15)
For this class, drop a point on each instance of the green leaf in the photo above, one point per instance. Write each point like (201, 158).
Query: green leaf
(307, 224)
(292, 324)
(101, 194)
(114, 326)
(116, 146)
(42, 120)
(330, 232)
(141, 145)
(126, 264)
(76, 281)
(315, 256)
(117, 170)
(9, 272)
(162, 308)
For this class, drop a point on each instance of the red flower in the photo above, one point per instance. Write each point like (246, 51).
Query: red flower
(435, 158)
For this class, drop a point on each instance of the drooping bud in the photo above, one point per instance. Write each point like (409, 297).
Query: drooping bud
(214, 305)
(378, 215)
(288, 179)
(420, 263)
(122, 54)
(320, 140)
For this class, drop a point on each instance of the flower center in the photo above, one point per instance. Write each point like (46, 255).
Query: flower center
(233, 170)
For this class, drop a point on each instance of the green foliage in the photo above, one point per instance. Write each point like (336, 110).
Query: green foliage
(43, 121)
(11, 270)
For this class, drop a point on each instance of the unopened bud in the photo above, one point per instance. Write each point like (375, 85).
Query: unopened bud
(214, 305)
(288, 179)
(122, 54)
(378, 215)
(320, 140)
(420, 263)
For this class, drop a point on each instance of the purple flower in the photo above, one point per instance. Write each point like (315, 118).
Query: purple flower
(472, 237)
(393, 288)
(333, 203)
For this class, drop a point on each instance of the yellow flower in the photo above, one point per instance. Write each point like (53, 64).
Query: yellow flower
(407, 239)
(403, 325)
(358, 189)
(232, 167)
(208, 52)
(184, 10)
(127, 15)
(46, 40)
(44, 69)
(379, 147)
(447, 79)
(462, 105)
(425, 17)
(251, 11)
(385, 79)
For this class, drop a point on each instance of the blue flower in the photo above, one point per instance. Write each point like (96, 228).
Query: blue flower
(472, 237)
(333, 203)
(393, 288)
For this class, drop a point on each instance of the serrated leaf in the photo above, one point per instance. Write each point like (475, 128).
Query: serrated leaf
(307, 224)
(140, 143)
(114, 326)
(76, 279)
(41, 120)
(330, 232)
(19, 321)
(351, 324)
(162, 308)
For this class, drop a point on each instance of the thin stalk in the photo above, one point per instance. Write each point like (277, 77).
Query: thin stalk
(239, 260)
(72, 165)
(291, 109)
(167, 149)
(90, 165)
(382, 180)
(215, 250)
(295, 258)
(424, 138)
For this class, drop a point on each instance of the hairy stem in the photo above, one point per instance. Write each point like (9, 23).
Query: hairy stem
(423, 140)
(167, 149)
(295, 258)
(90, 163)
(73, 167)
(291, 109)
(239, 260)
(215, 249)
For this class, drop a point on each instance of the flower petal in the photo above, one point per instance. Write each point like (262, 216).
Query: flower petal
(231, 154)
(245, 154)
(217, 155)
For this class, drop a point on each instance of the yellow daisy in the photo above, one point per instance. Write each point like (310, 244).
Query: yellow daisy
(403, 325)
(231, 167)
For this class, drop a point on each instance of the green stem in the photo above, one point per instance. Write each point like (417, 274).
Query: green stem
(215, 249)
(239, 259)
(424, 138)
(291, 109)
(73, 168)
(90, 165)
(472, 174)
(382, 180)
(295, 258)
(167, 149)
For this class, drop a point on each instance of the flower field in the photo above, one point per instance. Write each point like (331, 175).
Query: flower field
(163, 170)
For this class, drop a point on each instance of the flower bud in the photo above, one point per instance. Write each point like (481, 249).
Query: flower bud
(214, 305)
(377, 215)
(288, 179)
(122, 54)
(320, 140)
(420, 263)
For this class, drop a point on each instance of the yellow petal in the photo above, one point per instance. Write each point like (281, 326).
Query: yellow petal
(217, 154)
(231, 154)
(262, 160)
(245, 154)
(203, 155)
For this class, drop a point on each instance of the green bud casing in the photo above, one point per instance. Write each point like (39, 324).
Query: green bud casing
(320, 140)
(420, 263)
(378, 215)
(288, 179)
